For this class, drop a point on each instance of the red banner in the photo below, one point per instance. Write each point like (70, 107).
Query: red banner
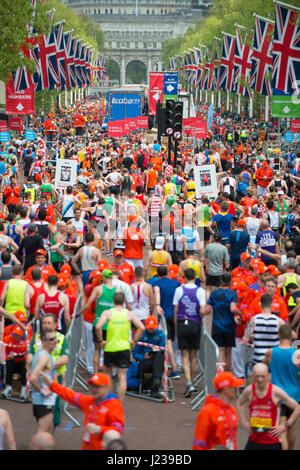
(16, 123)
(19, 102)
(201, 131)
(156, 90)
(142, 122)
(115, 128)
(132, 124)
(295, 125)
(3, 126)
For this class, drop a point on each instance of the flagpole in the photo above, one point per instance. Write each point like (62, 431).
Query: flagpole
(286, 5)
(262, 18)
(267, 108)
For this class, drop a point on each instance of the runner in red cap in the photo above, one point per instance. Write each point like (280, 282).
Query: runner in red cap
(103, 411)
(217, 422)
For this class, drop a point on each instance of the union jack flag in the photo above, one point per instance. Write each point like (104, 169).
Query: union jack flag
(61, 55)
(242, 65)
(286, 50)
(77, 61)
(88, 65)
(261, 58)
(100, 68)
(208, 82)
(227, 63)
(47, 77)
(172, 61)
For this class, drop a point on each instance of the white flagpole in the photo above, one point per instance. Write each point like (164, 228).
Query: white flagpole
(292, 7)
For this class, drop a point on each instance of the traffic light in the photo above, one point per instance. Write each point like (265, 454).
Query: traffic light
(177, 119)
(169, 117)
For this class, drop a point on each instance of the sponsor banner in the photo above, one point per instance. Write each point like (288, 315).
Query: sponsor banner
(156, 91)
(295, 125)
(3, 126)
(115, 128)
(170, 86)
(16, 123)
(123, 105)
(19, 102)
(285, 105)
(4, 136)
(142, 122)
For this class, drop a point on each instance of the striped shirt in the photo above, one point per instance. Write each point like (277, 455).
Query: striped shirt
(265, 335)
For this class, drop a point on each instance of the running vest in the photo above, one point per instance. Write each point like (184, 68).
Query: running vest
(37, 397)
(264, 414)
(46, 190)
(284, 373)
(189, 306)
(11, 232)
(118, 331)
(290, 278)
(57, 351)
(105, 302)
(15, 294)
(68, 206)
(159, 259)
(87, 263)
(195, 265)
(265, 335)
(203, 216)
(53, 305)
(140, 305)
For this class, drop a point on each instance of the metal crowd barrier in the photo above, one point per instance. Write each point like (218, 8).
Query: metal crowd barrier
(75, 340)
(208, 357)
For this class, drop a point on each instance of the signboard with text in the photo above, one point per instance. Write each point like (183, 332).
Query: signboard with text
(19, 102)
(156, 90)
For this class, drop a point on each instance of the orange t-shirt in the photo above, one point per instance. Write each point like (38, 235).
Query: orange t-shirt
(279, 308)
(134, 241)
(152, 178)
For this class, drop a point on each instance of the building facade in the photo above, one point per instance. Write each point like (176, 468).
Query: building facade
(136, 29)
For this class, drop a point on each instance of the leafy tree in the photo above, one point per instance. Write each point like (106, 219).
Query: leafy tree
(16, 15)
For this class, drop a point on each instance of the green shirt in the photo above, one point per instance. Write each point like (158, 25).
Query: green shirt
(104, 302)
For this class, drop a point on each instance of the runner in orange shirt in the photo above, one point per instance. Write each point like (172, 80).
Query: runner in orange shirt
(279, 306)
(103, 410)
(46, 269)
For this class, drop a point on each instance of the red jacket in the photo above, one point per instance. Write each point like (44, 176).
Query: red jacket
(109, 413)
(216, 425)
(12, 194)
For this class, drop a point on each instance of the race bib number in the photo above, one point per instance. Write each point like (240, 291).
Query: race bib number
(261, 424)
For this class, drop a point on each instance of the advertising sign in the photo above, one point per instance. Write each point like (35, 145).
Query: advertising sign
(15, 123)
(115, 128)
(4, 136)
(285, 105)
(3, 126)
(18, 102)
(170, 86)
(295, 125)
(123, 105)
(156, 90)
(142, 122)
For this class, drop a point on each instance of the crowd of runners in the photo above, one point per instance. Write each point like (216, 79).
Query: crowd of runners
(131, 237)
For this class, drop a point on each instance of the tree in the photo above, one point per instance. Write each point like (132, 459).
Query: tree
(16, 15)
